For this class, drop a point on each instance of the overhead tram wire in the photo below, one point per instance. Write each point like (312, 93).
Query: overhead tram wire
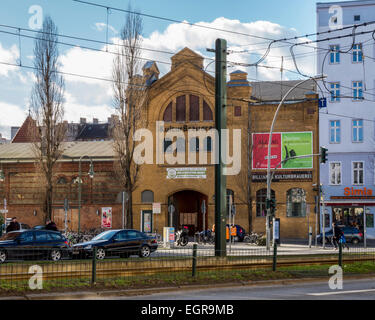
(90, 40)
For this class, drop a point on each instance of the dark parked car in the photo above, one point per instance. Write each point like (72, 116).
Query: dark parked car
(352, 234)
(121, 243)
(34, 244)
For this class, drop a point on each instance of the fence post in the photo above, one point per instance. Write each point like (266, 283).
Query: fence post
(194, 269)
(340, 254)
(93, 270)
(274, 256)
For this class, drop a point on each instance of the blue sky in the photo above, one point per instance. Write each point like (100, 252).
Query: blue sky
(269, 18)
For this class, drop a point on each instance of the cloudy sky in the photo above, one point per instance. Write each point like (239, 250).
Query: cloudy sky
(271, 19)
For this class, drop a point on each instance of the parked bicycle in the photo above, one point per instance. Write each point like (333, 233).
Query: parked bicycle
(252, 238)
(205, 237)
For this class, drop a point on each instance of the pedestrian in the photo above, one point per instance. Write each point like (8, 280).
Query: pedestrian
(13, 225)
(336, 235)
(343, 240)
(50, 225)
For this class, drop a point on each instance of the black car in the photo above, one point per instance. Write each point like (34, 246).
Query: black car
(352, 234)
(123, 243)
(34, 244)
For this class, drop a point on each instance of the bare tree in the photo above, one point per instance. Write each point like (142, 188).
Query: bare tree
(47, 102)
(129, 100)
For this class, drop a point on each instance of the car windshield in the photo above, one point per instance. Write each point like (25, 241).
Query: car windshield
(10, 236)
(106, 235)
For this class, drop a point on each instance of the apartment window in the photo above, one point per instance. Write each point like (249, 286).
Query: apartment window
(335, 173)
(357, 53)
(357, 18)
(357, 90)
(335, 92)
(334, 54)
(358, 173)
(296, 203)
(237, 111)
(207, 112)
(335, 131)
(357, 128)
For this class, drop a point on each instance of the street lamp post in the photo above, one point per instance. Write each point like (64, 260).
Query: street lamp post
(269, 159)
(91, 175)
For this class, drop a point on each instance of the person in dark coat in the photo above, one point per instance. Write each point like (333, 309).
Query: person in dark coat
(336, 234)
(13, 225)
(51, 226)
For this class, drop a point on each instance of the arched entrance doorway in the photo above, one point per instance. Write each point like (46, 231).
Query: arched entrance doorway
(188, 210)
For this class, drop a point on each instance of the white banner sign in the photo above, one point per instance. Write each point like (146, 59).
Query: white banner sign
(156, 207)
(186, 173)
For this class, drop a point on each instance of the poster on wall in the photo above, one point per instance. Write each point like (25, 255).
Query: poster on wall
(107, 217)
(297, 144)
(284, 145)
(260, 150)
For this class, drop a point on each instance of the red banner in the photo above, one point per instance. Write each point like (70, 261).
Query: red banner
(260, 150)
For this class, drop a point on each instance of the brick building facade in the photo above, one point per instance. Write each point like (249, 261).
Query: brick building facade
(184, 99)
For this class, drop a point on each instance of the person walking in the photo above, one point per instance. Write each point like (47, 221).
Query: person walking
(51, 225)
(336, 235)
(13, 225)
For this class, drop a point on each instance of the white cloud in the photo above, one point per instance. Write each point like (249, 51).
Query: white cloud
(10, 55)
(101, 26)
(92, 98)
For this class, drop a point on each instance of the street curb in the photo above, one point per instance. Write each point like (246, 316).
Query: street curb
(147, 291)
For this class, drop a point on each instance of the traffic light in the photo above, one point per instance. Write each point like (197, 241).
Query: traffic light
(323, 155)
(273, 206)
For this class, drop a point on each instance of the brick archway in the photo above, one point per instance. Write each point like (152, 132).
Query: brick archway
(188, 210)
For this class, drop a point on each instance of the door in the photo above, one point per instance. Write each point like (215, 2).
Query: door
(134, 241)
(25, 248)
(147, 221)
(58, 217)
(42, 244)
(119, 243)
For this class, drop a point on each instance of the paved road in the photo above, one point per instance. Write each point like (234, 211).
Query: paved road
(363, 289)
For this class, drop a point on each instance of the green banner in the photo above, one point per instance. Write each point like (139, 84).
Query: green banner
(297, 144)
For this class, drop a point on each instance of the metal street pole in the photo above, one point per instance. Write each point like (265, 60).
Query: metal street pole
(221, 123)
(364, 228)
(269, 161)
(91, 174)
(324, 222)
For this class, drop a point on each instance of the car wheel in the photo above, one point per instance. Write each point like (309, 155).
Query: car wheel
(145, 252)
(355, 241)
(55, 255)
(3, 256)
(100, 254)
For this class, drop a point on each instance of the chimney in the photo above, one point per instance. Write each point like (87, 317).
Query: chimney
(82, 120)
(95, 121)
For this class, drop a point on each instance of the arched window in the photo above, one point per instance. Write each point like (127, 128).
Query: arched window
(194, 108)
(261, 197)
(147, 196)
(207, 112)
(181, 108)
(62, 180)
(296, 203)
(167, 117)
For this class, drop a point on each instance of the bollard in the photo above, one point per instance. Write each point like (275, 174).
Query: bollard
(340, 254)
(274, 256)
(93, 270)
(194, 269)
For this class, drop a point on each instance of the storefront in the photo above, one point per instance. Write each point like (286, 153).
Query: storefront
(351, 211)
